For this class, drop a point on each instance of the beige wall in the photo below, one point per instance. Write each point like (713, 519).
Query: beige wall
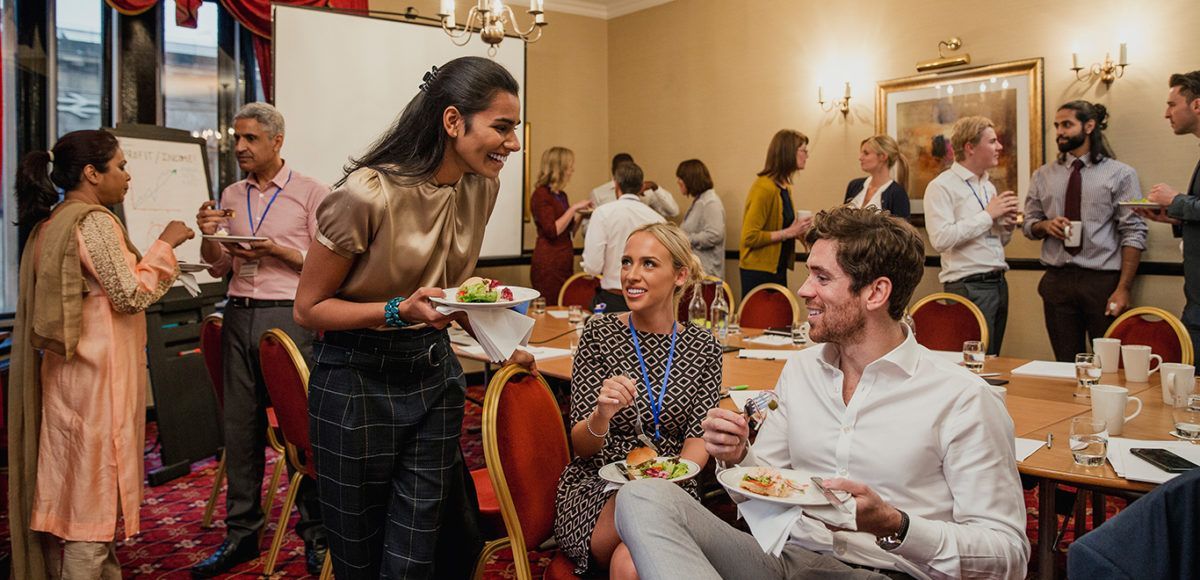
(566, 92)
(714, 80)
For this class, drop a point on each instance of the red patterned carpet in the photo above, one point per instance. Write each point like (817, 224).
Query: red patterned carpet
(172, 539)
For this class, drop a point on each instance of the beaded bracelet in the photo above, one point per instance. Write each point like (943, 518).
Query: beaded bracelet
(588, 423)
(391, 313)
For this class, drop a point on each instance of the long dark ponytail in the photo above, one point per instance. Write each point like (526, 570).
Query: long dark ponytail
(43, 174)
(1098, 147)
(414, 145)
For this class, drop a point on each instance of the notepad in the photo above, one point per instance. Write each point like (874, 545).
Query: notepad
(1046, 369)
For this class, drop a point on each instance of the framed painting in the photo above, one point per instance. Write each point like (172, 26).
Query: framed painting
(920, 111)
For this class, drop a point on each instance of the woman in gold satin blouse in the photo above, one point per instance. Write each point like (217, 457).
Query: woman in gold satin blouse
(386, 394)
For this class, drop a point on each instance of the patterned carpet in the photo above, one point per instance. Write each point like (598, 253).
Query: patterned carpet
(172, 539)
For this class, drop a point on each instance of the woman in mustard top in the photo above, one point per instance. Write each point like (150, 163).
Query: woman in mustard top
(769, 224)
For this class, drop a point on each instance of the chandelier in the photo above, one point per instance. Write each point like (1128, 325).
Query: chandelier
(490, 18)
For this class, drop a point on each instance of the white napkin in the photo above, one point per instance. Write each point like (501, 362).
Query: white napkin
(1027, 447)
(1134, 468)
(189, 283)
(1048, 369)
(767, 354)
(771, 340)
(563, 314)
(499, 330)
(772, 523)
(545, 352)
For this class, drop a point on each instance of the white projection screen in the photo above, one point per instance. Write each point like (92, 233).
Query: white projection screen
(342, 79)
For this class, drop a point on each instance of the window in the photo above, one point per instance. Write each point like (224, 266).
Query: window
(80, 65)
(190, 77)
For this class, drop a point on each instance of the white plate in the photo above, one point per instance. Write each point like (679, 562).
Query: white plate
(234, 239)
(1138, 204)
(611, 474)
(730, 478)
(189, 267)
(520, 295)
(1176, 435)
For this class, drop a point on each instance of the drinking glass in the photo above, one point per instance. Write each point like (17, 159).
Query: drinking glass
(574, 314)
(539, 306)
(1087, 373)
(973, 355)
(1089, 441)
(1187, 419)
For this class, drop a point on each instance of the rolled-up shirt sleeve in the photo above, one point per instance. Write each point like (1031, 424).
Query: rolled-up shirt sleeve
(347, 219)
(1130, 225)
(986, 538)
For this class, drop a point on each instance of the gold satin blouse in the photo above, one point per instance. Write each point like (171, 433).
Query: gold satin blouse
(404, 235)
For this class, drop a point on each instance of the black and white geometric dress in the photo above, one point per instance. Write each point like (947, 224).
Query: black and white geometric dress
(606, 350)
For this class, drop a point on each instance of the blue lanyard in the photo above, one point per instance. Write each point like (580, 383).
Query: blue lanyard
(655, 406)
(263, 217)
(981, 204)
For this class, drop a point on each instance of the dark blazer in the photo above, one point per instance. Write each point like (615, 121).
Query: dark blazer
(894, 199)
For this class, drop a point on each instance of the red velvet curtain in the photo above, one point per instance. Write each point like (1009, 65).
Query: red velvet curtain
(131, 7)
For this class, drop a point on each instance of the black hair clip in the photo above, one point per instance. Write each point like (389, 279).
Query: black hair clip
(429, 78)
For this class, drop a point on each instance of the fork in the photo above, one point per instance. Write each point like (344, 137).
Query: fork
(755, 409)
(637, 424)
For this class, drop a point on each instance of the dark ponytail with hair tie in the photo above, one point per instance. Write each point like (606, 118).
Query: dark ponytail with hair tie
(36, 193)
(43, 174)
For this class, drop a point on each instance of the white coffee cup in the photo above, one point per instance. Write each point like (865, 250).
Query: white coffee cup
(1108, 350)
(1178, 381)
(1109, 403)
(1074, 235)
(1137, 362)
(1000, 392)
(803, 213)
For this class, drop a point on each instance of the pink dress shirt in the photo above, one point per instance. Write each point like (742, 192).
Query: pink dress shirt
(291, 221)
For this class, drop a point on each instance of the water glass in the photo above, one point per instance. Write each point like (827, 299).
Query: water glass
(1087, 374)
(1187, 419)
(539, 306)
(1089, 441)
(574, 314)
(974, 355)
(800, 333)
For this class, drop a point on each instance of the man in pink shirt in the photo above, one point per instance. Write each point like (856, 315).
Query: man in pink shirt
(278, 204)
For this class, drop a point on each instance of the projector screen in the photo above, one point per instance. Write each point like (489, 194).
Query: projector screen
(342, 79)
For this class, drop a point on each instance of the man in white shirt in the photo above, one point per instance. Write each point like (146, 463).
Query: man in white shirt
(923, 446)
(604, 243)
(660, 200)
(969, 224)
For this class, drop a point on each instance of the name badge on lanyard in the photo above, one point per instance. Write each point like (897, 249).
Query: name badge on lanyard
(248, 269)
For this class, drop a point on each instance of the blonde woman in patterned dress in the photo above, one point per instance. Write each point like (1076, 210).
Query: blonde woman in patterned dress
(609, 393)
(79, 361)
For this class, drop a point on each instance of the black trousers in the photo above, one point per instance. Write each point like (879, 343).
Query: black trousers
(990, 293)
(1074, 301)
(386, 412)
(613, 301)
(245, 422)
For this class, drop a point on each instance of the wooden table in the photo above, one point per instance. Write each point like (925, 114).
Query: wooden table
(1038, 406)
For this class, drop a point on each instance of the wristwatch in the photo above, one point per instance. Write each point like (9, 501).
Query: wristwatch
(893, 541)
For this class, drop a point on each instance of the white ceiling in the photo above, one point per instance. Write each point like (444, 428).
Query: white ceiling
(598, 8)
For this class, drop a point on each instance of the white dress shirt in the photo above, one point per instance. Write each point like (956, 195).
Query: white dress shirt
(959, 226)
(928, 436)
(862, 193)
(604, 243)
(659, 199)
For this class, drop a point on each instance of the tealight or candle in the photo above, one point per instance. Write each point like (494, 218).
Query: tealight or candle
(847, 90)
(447, 8)
(536, 5)
(1123, 55)
(820, 95)
(1074, 60)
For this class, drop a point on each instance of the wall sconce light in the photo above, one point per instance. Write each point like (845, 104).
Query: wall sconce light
(842, 104)
(1106, 72)
(942, 61)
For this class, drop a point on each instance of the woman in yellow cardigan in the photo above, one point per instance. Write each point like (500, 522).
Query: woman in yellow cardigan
(769, 225)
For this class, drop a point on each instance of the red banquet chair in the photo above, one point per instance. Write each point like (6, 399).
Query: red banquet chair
(944, 321)
(210, 348)
(578, 290)
(286, 376)
(525, 458)
(1156, 328)
(769, 306)
(709, 290)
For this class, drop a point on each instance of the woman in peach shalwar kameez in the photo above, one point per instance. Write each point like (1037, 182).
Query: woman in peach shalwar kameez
(92, 340)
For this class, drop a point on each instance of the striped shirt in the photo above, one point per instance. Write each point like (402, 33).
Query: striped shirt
(1107, 227)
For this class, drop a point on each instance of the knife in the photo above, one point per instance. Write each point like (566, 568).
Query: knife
(829, 495)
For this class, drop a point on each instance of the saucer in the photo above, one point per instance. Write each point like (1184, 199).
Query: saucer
(1176, 435)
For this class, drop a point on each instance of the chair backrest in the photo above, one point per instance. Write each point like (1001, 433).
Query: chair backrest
(1156, 328)
(286, 376)
(769, 306)
(210, 348)
(525, 445)
(578, 290)
(944, 321)
(709, 290)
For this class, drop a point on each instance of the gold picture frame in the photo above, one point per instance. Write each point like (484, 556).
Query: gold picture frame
(918, 111)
